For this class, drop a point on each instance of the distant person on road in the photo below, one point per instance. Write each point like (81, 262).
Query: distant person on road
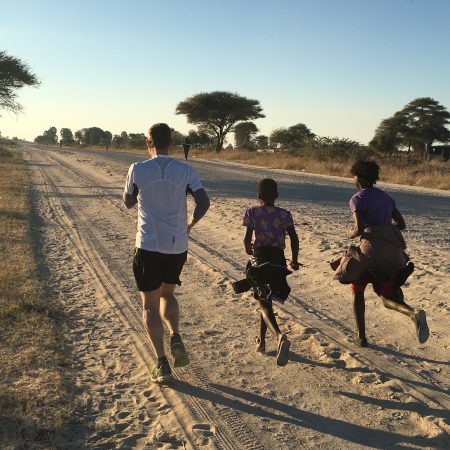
(159, 186)
(380, 258)
(269, 224)
(186, 147)
(61, 143)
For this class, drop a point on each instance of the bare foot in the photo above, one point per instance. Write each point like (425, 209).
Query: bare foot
(261, 345)
(283, 350)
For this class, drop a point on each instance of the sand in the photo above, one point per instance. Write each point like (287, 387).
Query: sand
(394, 394)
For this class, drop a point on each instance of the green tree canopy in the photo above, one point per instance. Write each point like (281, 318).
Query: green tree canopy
(93, 136)
(292, 137)
(66, 135)
(199, 137)
(14, 75)
(217, 112)
(243, 134)
(136, 140)
(49, 136)
(418, 125)
(262, 141)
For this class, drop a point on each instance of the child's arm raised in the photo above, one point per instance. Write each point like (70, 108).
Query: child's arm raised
(248, 241)
(294, 246)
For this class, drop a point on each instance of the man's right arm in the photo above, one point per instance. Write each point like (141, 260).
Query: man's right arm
(131, 190)
(130, 199)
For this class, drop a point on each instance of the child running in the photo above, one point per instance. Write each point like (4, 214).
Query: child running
(380, 258)
(269, 224)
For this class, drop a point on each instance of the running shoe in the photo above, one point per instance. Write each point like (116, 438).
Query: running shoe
(181, 358)
(420, 321)
(162, 372)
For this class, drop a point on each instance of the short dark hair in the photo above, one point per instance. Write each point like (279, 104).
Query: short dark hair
(161, 135)
(368, 170)
(267, 190)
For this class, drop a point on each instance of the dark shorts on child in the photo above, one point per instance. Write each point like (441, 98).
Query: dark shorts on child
(273, 275)
(151, 269)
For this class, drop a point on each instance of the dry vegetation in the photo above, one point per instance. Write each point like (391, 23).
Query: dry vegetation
(394, 169)
(35, 376)
(433, 174)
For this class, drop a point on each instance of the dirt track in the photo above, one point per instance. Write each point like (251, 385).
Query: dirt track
(393, 395)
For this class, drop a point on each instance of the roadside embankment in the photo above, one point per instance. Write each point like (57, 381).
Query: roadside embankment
(35, 376)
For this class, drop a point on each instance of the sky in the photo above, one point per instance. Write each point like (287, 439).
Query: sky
(338, 66)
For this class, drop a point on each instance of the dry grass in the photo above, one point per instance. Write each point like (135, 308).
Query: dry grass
(433, 174)
(398, 170)
(35, 394)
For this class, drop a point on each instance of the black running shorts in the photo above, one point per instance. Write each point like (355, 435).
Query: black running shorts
(151, 269)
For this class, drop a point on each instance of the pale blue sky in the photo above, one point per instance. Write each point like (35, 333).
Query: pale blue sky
(339, 66)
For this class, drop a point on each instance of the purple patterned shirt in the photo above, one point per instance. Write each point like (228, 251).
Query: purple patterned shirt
(269, 224)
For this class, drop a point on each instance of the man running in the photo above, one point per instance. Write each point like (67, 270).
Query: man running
(159, 186)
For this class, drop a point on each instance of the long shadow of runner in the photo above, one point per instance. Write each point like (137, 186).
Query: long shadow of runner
(407, 356)
(259, 406)
(417, 407)
(296, 358)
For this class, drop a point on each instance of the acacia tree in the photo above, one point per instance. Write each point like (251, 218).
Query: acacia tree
(217, 112)
(427, 119)
(243, 134)
(14, 74)
(419, 124)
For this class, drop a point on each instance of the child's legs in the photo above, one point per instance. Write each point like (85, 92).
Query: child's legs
(269, 319)
(359, 308)
(402, 308)
(262, 329)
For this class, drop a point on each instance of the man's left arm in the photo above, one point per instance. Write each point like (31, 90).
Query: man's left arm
(202, 204)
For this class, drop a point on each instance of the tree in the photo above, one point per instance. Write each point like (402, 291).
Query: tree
(391, 134)
(14, 75)
(199, 137)
(293, 137)
(66, 135)
(262, 141)
(177, 137)
(79, 137)
(136, 140)
(419, 124)
(243, 134)
(326, 148)
(428, 120)
(107, 137)
(218, 111)
(93, 136)
(48, 137)
(122, 140)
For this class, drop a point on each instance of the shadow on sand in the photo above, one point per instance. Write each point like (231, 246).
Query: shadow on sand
(261, 407)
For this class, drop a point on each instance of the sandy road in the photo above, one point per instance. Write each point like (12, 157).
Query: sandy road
(394, 394)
